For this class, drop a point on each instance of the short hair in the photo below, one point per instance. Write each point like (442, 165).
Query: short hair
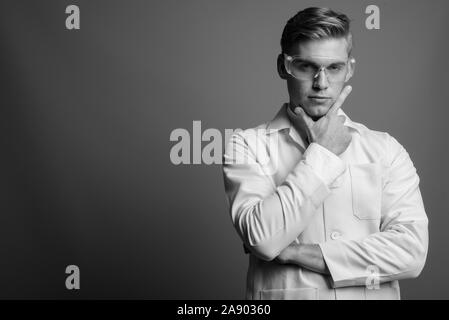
(315, 24)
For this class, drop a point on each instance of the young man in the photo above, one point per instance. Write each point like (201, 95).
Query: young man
(336, 211)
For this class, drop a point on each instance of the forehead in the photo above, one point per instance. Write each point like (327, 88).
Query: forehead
(322, 50)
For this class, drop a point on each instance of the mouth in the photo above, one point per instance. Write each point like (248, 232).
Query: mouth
(319, 99)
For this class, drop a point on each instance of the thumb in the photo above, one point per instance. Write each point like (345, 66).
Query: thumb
(305, 117)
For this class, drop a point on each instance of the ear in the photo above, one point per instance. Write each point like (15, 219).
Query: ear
(351, 67)
(281, 67)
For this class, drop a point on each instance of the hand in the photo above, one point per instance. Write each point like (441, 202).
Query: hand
(329, 130)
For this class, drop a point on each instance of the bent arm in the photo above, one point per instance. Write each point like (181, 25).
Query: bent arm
(399, 250)
(268, 217)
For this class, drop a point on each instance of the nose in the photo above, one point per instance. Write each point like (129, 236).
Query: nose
(320, 80)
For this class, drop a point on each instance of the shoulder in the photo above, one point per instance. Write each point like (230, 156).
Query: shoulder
(247, 142)
(381, 142)
(247, 135)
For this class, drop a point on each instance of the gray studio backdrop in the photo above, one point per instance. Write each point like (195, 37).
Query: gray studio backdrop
(86, 116)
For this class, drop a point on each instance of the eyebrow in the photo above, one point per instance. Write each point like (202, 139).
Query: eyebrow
(334, 63)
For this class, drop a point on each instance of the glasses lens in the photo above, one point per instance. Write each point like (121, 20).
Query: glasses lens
(304, 70)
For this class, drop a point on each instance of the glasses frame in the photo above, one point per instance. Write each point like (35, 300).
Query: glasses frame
(289, 59)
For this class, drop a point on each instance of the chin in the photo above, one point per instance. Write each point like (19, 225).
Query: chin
(317, 111)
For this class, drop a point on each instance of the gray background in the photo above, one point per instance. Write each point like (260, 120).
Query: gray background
(86, 116)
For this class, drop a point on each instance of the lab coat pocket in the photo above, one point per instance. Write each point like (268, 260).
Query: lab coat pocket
(366, 188)
(289, 294)
(386, 293)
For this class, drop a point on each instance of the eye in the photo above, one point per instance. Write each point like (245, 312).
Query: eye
(335, 67)
(304, 66)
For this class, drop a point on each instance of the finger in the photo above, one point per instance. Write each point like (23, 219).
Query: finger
(341, 98)
(294, 114)
(305, 117)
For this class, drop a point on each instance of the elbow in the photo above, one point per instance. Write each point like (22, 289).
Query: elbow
(418, 262)
(418, 266)
(263, 252)
(264, 247)
(416, 270)
(257, 238)
(266, 250)
(417, 248)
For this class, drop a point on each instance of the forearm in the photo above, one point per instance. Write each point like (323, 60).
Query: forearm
(351, 262)
(396, 254)
(308, 256)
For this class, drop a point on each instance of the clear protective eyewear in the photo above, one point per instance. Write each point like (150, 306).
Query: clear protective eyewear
(302, 69)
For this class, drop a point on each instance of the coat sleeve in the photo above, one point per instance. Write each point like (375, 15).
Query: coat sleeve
(267, 217)
(399, 250)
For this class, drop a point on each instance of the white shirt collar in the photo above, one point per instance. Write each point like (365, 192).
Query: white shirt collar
(281, 121)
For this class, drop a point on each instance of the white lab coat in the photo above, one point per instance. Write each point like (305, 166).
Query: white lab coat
(363, 208)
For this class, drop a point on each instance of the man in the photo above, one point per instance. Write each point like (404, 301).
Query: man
(336, 212)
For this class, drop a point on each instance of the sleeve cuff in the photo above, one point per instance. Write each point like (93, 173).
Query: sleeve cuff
(326, 165)
(342, 274)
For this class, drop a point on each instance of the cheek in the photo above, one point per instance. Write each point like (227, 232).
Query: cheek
(297, 88)
(337, 87)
